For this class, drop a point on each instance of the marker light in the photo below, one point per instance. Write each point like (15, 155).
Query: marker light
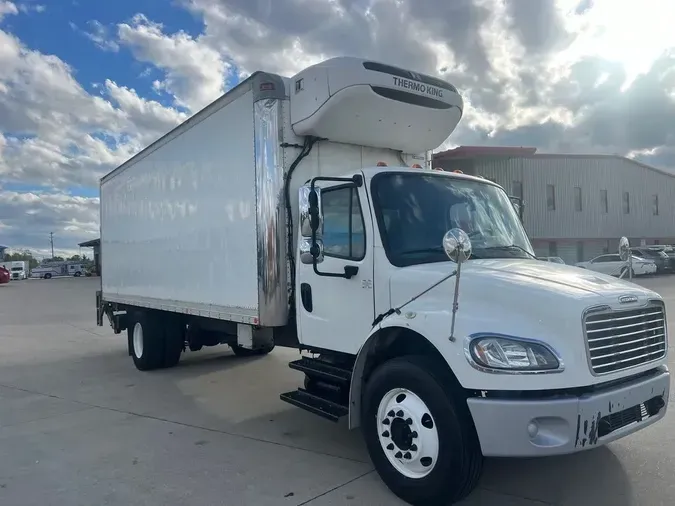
(381, 164)
(416, 166)
(457, 171)
(438, 168)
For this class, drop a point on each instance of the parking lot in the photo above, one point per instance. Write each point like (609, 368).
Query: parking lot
(79, 425)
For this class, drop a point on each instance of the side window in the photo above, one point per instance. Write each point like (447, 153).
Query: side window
(343, 229)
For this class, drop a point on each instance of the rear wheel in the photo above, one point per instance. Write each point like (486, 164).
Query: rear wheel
(419, 432)
(145, 341)
(48, 276)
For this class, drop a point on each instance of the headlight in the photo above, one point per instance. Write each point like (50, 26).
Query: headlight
(509, 354)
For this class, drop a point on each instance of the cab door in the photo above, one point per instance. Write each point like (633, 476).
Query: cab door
(335, 298)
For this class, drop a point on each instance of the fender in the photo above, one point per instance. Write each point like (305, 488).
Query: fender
(403, 322)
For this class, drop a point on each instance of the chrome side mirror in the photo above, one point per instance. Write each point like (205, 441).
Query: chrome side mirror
(307, 252)
(624, 248)
(309, 205)
(626, 255)
(457, 245)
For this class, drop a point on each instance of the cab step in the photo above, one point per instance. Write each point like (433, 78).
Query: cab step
(321, 370)
(315, 404)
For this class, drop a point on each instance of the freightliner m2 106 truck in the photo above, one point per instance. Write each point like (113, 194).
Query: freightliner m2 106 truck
(422, 313)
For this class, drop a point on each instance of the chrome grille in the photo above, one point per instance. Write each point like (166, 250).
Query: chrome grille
(619, 340)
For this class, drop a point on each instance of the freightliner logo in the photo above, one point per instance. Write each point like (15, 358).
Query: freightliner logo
(419, 87)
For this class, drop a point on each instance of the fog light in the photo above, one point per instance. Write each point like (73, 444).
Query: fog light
(532, 429)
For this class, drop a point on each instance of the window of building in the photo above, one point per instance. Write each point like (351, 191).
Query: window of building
(604, 204)
(517, 189)
(605, 248)
(343, 227)
(580, 251)
(655, 205)
(553, 249)
(626, 203)
(577, 198)
(550, 197)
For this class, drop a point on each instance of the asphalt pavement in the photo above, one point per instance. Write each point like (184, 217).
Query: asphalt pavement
(79, 425)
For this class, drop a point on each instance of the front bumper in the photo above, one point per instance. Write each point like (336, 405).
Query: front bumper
(569, 424)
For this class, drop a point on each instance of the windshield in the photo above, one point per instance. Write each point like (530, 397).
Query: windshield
(17, 268)
(415, 210)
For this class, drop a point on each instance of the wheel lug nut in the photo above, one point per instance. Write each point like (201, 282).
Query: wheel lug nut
(386, 421)
(390, 446)
(413, 448)
(398, 455)
(391, 413)
(414, 434)
(399, 413)
(407, 456)
(385, 433)
(408, 421)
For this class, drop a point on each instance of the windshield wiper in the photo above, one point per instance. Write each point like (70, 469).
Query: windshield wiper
(511, 247)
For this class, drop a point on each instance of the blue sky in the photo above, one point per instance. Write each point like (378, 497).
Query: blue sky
(59, 31)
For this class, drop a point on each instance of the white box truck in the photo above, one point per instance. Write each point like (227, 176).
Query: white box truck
(322, 226)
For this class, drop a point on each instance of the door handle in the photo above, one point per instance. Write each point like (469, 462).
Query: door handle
(306, 297)
(351, 271)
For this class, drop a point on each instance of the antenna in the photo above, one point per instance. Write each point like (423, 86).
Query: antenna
(51, 241)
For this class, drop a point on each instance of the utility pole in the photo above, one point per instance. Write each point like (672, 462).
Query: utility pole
(51, 241)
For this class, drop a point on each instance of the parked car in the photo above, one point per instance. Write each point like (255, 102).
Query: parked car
(614, 266)
(556, 260)
(4, 276)
(659, 257)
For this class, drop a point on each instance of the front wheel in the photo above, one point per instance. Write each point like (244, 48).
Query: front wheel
(48, 276)
(419, 432)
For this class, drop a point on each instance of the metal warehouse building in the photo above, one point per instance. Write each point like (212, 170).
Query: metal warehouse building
(577, 206)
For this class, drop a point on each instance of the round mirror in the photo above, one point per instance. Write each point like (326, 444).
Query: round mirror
(624, 248)
(457, 245)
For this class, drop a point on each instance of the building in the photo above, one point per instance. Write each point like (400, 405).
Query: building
(96, 245)
(577, 206)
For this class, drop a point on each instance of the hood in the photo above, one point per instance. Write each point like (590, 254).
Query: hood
(528, 277)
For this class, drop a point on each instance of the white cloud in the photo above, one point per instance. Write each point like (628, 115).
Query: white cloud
(195, 72)
(52, 130)
(7, 9)
(99, 35)
(28, 218)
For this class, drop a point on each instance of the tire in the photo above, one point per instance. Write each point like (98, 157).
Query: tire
(452, 453)
(174, 342)
(78, 274)
(146, 344)
(245, 352)
(47, 276)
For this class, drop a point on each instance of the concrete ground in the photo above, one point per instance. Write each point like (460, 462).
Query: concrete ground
(79, 425)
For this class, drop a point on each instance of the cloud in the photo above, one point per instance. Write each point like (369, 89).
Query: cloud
(98, 34)
(54, 132)
(27, 218)
(195, 72)
(7, 9)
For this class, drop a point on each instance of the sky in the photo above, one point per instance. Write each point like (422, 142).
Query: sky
(86, 84)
